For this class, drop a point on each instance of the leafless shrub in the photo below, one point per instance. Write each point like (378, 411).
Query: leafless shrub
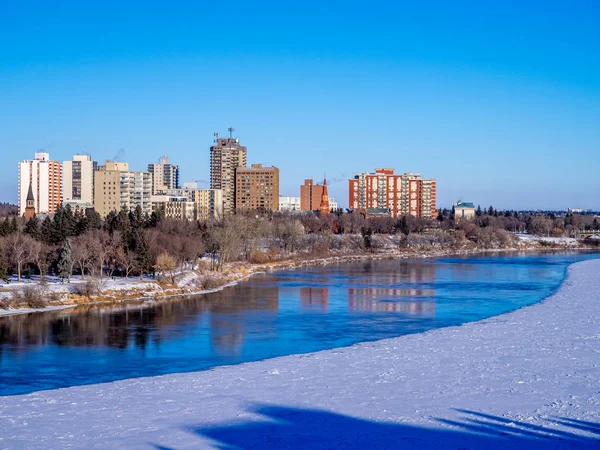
(86, 289)
(7, 302)
(259, 257)
(212, 282)
(30, 296)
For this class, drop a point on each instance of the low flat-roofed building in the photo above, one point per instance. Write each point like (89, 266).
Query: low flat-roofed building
(171, 207)
(464, 210)
(209, 202)
(288, 203)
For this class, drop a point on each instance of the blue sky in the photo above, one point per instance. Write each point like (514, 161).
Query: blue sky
(499, 102)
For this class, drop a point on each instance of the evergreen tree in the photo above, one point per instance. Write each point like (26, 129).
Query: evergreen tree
(402, 226)
(46, 232)
(110, 223)
(32, 228)
(4, 228)
(367, 234)
(144, 259)
(123, 222)
(63, 225)
(478, 212)
(3, 268)
(490, 211)
(14, 225)
(154, 219)
(64, 265)
(94, 221)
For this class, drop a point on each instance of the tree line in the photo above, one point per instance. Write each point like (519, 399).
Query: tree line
(129, 243)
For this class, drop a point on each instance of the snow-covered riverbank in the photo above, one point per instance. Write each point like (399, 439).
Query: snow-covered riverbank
(527, 379)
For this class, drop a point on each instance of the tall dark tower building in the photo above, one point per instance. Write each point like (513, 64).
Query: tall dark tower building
(225, 157)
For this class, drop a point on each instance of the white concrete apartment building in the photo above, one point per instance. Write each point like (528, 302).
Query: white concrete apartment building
(78, 180)
(44, 176)
(288, 203)
(116, 187)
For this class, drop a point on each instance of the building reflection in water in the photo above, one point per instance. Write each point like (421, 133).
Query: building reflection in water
(231, 321)
(399, 295)
(314, 298)
(230, 315)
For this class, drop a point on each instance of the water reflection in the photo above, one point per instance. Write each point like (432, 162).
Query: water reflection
(312, 298)
(270, 315)
(408, 291)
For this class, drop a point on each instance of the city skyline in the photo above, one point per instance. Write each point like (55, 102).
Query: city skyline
(500, 105)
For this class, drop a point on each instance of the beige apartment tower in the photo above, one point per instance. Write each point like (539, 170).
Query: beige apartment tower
(226, 156)
(164, 175)
(257, 188)
(116, 188)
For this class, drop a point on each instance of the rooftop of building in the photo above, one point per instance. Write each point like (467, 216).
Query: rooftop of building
(256, 167)
(464, 205)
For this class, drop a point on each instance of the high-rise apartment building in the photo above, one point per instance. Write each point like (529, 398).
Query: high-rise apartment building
(116, 187)
(44, 177)
(164, 175)
(257, 188)
(310, 195)
(402, 194)
(226, 156)
(78, 179)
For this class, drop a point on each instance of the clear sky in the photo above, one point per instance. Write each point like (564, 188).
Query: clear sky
(499, 101)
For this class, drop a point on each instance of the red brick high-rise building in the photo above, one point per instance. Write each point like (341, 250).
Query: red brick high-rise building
(257, 188)
(401, 194)
(310, 195)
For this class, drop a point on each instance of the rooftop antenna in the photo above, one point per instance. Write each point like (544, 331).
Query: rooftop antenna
(231, 130)
(216, 137)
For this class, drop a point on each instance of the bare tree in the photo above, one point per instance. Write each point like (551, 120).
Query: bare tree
(38, 255)
(166, 265)
(103, 246)
(126, 260)
(83, 253)
(17, 247)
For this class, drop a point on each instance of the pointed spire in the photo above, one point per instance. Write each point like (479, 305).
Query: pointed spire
(324, 206)
(30, 193)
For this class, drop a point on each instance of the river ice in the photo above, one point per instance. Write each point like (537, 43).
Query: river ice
(527, 379)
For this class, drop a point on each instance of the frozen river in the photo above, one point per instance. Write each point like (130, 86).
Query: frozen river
(270, 315)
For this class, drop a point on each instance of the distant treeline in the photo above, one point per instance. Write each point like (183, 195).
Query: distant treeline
(130, 243)
(8, 210)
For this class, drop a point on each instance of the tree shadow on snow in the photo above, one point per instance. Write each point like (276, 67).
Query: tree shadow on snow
(291, 428)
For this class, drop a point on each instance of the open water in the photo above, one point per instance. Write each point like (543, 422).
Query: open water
(269, 315)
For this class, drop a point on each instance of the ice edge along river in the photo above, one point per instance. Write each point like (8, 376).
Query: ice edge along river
(525, 379)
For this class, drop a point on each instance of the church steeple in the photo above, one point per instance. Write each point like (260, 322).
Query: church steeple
(324, 206)
(30, 204)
